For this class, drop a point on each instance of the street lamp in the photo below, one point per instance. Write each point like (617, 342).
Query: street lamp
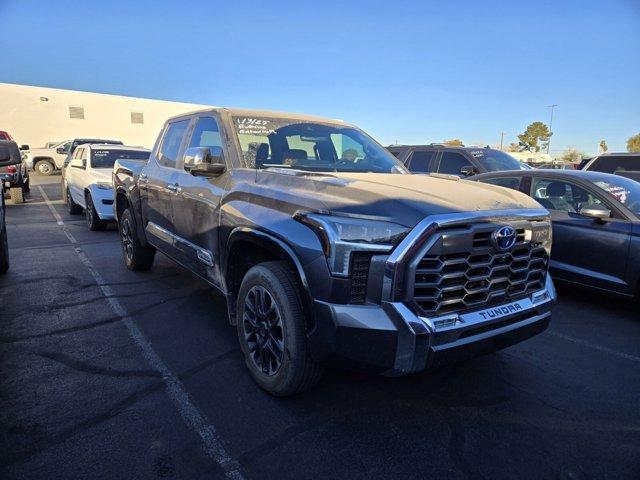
(550, 125)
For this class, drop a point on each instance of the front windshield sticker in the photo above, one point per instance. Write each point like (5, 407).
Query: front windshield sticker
(255, 126)
(620, 193)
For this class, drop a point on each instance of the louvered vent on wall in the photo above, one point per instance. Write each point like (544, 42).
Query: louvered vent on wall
(137, 117)
(76, 112)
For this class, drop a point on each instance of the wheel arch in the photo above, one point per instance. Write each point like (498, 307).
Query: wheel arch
(247, 247)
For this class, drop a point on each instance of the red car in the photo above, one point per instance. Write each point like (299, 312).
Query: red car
(14, 177)
(5, 136)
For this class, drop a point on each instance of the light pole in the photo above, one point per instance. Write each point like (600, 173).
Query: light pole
(550, 125)
(501, 139)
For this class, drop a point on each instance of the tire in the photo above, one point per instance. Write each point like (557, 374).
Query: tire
(136, 256)
(91, 215)
(16, 195)
(4, 250)
(282, 329)
(44, 167)
(74, 208)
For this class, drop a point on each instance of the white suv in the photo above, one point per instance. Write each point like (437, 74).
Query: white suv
(88, 181)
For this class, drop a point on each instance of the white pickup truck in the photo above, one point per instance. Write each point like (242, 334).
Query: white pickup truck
(45, 161)
(88, 180)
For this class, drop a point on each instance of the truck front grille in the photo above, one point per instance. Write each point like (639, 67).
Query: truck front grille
(447, 282)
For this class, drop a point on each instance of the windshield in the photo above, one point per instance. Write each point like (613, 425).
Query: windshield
(495, 160)
(303, 145)
(624, 190)
(106, 158)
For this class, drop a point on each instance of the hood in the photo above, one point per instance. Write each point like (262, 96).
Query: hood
(406, 199)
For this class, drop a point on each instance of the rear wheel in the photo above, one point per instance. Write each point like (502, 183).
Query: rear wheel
(74, 208)
(44, 167)
(272, 330)
(91, 215)
(136, 256)
(4, 250)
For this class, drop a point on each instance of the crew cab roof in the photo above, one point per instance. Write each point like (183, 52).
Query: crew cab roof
(261, 113)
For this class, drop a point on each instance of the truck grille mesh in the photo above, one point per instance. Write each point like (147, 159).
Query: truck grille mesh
(457, 282)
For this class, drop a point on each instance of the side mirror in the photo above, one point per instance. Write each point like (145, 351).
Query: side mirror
(24, 147)
(61, 151)
(600, 214)
(201, 161)
(9, 153)
(468, 170)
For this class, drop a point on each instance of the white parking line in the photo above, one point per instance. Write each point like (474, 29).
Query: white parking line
(599, 348)
(188, 411)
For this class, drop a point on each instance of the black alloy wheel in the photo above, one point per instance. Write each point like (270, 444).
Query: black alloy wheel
(263, 330)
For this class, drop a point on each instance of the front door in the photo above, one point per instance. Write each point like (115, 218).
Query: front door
(158, 182)
(196, 207)
(584, 250)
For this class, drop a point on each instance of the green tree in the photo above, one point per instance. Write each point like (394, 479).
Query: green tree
(513, 147)
(572, 155)
(603, 147)
(535, 137)
(633, 144)
(454, 142)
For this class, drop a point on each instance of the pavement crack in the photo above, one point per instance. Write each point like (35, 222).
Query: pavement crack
(88, 326)
(50, 441)
(87, 367)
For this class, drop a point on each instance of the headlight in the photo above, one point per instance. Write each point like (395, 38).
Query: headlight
(104, 185)
(340, 236)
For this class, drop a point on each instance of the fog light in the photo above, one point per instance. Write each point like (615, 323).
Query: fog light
(540, 297)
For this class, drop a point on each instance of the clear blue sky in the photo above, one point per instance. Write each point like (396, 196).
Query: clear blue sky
(414, 71)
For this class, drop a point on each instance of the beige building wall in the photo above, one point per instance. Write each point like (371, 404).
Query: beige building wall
(36, 115)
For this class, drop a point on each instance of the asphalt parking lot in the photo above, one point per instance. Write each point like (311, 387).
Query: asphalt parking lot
(143, 378)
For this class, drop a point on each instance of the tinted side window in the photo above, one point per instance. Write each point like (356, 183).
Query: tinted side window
(206, 134)
(171, 143)
(508, 182)
(452, 163)
(420, 162)
(564, 196)
(614, 164)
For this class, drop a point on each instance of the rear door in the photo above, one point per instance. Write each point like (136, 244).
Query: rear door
(584, 250)
(196, 206)
(159, 185)
(452, 163)
(421, 161)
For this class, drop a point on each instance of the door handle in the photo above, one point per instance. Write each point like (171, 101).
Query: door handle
(174, 187)
(143, 178)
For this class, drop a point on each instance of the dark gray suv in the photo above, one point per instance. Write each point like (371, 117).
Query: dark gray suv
(452, 160)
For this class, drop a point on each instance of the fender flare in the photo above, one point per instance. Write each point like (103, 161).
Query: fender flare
(275, 245)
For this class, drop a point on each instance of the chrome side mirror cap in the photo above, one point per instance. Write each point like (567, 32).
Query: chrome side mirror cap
(597, 213)
(201, 161)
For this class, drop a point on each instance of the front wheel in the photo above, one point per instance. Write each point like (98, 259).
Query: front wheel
(136, 256)
(272, 330)
(91, 215)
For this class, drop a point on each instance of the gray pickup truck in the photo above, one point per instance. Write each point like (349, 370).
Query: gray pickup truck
(329, 252)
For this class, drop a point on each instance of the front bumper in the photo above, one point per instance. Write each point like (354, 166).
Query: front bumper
(103, 202)
(392, 340)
